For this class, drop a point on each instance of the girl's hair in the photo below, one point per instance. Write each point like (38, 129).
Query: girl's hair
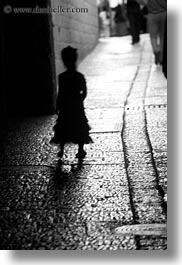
(69, 56)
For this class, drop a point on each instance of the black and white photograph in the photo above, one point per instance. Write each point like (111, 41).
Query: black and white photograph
(83, 125)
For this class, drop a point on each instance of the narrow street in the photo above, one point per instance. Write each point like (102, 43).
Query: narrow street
(116, 199)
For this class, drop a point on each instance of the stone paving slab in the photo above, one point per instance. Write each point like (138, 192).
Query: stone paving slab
(157, 128)
(42, 204)
(107, 88)
(150, 213)
(157, 78)
(156, 100)
(153, 243)
(56, 230)
(105, 120)
(102, 101)
(157, 88)
(86, 182)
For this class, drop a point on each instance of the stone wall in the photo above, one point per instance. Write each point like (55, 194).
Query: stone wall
(77, 29)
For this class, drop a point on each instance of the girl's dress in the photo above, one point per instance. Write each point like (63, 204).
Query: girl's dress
(72, 124)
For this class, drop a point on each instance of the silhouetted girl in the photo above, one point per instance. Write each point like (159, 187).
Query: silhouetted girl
(72, 124)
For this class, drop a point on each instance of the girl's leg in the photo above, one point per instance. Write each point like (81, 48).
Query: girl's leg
(81, 152)
(80, 147)
(60, 154)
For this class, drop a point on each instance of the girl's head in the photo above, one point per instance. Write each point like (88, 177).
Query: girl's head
(69, 57)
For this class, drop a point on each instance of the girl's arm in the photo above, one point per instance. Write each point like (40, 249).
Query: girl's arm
(58, 98)
(83, 91)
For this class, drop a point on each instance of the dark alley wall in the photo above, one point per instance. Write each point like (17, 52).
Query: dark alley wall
(28, 61)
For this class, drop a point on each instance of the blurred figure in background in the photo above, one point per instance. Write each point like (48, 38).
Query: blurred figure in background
(157, 10)
(104, 19)
(120, 21)
(134, 17)
(164, 61)
(144, 14)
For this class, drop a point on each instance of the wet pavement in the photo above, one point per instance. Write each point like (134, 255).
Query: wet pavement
(116, 198)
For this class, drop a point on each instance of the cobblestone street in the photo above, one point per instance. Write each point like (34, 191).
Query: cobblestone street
(116, 199)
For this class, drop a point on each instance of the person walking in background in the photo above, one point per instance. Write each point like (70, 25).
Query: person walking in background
(104, 18)
(144, 13)
(72, 124)
(157, 14)
(134, 16)
(120, 21)
(164, 61)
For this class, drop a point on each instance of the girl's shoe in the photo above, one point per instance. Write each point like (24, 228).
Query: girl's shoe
(81, 154)
(54, 140)
(60, 154)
